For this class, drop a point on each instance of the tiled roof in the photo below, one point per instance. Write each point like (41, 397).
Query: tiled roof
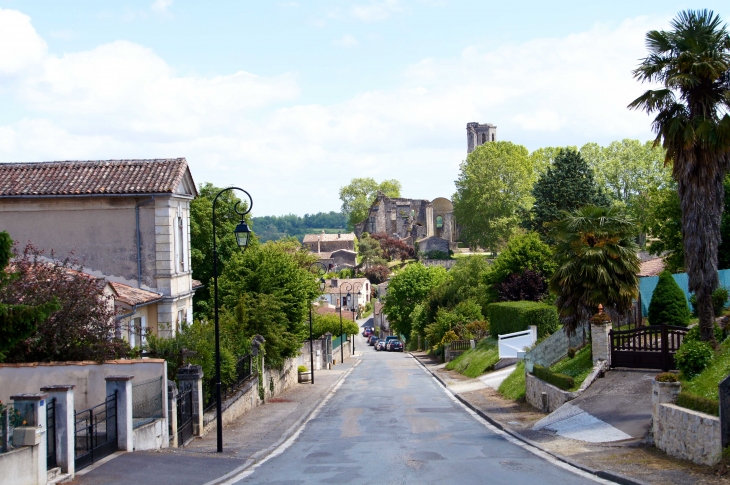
(197, 284)
(652, 267)
(351, 281)
(326, 310)
(313, 238)
(134, 296)
(92, 177)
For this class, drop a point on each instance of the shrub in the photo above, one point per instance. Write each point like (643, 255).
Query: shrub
(693, 334)
(719, 301)
(561, 381)
(301, 369)
(435, 254)
(666, 377)
(478, 329)
(529, 285)
(693, 357)
(668, 303)
(571, 352)
(377, 274)
(515, 316)
(698, 403)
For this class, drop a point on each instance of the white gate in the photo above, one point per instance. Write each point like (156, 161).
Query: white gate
(513, 345)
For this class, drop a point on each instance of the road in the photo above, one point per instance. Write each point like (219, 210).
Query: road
(391, 422)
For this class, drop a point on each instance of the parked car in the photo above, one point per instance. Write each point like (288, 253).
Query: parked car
(380, 344)
(390, 339)
(367, 332)
(396, 346)
(372, 339)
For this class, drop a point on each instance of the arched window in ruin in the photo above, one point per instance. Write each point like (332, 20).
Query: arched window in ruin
(492, 136)
(484, 138)
(439, 222)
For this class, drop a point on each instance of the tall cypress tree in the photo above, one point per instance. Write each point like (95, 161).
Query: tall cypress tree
(668, 303)
(567, 185)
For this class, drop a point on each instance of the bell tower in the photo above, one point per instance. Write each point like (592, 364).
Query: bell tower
(479, 134)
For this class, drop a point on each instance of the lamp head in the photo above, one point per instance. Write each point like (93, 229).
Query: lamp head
(243, 234)
(322, 285)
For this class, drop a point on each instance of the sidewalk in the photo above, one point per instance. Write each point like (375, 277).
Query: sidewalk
(246, 441)
(630, 461)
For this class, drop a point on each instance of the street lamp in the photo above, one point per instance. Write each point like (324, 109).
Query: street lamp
(349, 288)
(243, 234)
(321, 271)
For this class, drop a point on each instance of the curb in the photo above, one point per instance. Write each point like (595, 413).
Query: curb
(260, 455)
(614, 477)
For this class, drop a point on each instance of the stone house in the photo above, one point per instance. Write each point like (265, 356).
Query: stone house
(127, 221)
(337, 288)
(413, 220)
(336, 251)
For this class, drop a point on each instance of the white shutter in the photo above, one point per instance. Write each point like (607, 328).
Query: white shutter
(131, 332)
(143, 331)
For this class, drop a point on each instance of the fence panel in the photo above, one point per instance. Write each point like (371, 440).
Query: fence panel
(147, 401)
(511, 343)
(244, 372)
(184, 409)
(51, 434)
(9, 419)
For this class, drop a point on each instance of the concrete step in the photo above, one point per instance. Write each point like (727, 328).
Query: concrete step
(62, 478)
(506, 362)
(53, 473)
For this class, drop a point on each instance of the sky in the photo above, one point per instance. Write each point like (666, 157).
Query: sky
(291, 100)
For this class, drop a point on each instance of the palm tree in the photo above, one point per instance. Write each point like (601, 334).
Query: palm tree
(597, 263)
(692, 61)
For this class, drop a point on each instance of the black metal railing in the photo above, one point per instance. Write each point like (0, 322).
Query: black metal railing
(244, 372)
(51, 434)
(147, 401)
(184, 409)
(96, 432)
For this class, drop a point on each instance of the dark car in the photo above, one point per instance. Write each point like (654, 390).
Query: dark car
(396, 346)
(372, 339)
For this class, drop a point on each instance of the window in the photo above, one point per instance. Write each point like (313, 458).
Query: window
(492, 136)
(181, 318)
(181, 251)
(484, 138)
(439, 222)
(135, 332)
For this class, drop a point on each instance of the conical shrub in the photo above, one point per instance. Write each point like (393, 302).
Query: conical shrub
(668, 304)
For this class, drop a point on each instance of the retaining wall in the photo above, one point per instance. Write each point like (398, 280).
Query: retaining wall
(151, 436)
(556, 397)
(555, 347)
(687, 434)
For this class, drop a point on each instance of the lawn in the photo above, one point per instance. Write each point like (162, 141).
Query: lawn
(705, 384)
(514, 386)
(474, 363)
(578, 367)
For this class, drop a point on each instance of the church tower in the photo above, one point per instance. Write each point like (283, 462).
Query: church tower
(477, 135)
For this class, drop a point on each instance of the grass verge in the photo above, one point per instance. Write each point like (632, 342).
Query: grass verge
(514, 386)
(474, 363)
(705, 384)
(578, 367)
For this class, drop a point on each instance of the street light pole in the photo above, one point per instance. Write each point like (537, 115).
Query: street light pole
(322, 270)
(242, 235)
(355, 287)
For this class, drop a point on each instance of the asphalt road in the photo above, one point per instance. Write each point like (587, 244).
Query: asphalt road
(391, 422)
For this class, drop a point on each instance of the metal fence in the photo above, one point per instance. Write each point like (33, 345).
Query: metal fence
(96, 432)
(51, 434)
(9, 419)
(147, 401)
(338, 341)
(244, 372)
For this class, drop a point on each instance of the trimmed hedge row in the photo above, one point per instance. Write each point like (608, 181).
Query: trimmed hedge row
(698, 403)
(515, 316)
(561, 381)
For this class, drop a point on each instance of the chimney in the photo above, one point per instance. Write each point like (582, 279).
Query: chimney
(339, 234)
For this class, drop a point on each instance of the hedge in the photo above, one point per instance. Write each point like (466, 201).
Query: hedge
(515, 316)
(698, 403)
(561, 381)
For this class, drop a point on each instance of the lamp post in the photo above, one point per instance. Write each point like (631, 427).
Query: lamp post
(242, 233)
(321, 271)
(354, 311)
(349, 288)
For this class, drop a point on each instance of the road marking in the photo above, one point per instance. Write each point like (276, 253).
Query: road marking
(248, 469)
(535, 451)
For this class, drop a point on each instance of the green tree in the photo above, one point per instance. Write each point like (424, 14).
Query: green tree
(664, 224)
(329, 322)
(201, 240)
(17, 321)
(408, 288)
(692, 62)
(360, 193)
(370, 252)
(723, 253)
(628, 171)
(668, 303)
(493, 188)
(567, 185)
(523, 252)
(597, 264)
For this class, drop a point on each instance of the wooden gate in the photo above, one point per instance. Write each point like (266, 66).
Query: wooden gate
(650, 347)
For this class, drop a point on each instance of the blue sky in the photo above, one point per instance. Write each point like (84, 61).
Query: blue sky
(291, 100)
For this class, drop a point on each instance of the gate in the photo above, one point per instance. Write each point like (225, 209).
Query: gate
(184, 406)
(650, 347)
(51, 434)
(96, 432)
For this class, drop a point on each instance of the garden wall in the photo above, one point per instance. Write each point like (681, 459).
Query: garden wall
(555, 347)
(687, 434)
(556, 397)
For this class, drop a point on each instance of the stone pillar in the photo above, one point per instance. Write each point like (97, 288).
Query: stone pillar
(724, 388)
(32, 408)
(172, 413)
(473, 344)
(663, 393)
(600, 341)
(191, 377)
(122, 386)
(65, 425)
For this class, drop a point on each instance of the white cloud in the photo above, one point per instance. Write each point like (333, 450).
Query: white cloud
(161, 6)
(65, 34)
(346, 41)
(121, 100)
(376, 11)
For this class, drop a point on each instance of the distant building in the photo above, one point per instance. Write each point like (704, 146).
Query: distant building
(479, 134)
(336, 251)
(337, 289)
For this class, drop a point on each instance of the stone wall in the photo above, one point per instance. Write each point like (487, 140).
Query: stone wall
(687, 434)
(151, 436)
(446, 263)
(556, 397)
(555, 347)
